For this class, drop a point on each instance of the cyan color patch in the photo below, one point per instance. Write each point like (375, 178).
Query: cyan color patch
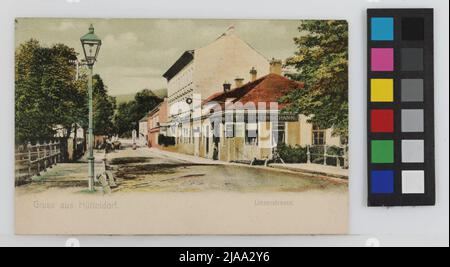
(382, 182)
(382, 29)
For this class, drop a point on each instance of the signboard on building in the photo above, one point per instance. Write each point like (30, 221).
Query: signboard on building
(288, 117)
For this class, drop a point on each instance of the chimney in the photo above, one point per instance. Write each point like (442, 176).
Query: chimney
(276, 66)
(238, 82)
(253, 74)
(226, 87)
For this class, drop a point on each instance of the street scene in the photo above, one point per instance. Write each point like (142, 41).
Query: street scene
(197, 132)
(165, 111)
(152, 170)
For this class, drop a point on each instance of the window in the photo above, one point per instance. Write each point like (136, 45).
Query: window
(229, 130)
(216, 126)
(239, 130)
(156, 122)
(186, 136)
(319, 137)
(251, 134)
(278, 133)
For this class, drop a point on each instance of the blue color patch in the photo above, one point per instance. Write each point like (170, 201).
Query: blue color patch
(382, 29)
(382, 182)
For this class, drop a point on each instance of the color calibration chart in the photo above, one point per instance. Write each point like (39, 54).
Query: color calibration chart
(400, 107)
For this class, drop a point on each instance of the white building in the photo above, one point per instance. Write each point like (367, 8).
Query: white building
(204, 70)
(143, 131)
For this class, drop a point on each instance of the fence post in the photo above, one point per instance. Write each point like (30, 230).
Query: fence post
(345, 157)
(325, 155)
(38, 158)
(308, 155)
(55, 154)
(58, 151)
(44, 158)
(50, 154)
(29, 147)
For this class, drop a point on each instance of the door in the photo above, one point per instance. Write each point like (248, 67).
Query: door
(207, 141)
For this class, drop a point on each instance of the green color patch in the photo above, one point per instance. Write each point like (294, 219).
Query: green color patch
(383, 151)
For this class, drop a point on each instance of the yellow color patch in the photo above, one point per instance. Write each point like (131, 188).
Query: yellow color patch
(382, 90)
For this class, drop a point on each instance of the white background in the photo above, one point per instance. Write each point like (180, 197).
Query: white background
(368, 226)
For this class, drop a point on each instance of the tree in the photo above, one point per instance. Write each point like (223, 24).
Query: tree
(50, 98)
(104, 107)
(321, 62)
(145, 101)
(129, 114)
(123, 120)
(47, 95)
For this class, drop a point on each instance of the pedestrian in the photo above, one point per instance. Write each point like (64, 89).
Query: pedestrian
(216, 153)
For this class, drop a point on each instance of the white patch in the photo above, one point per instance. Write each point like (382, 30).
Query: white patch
(413, 182)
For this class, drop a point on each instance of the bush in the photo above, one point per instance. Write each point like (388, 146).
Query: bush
(291, 154)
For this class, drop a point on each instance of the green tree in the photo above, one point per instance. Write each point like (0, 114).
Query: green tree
(145, 101)
(47, 94)
(129, 114)
(104, 108)
(321, 62)
(123, 119)
(49, 97)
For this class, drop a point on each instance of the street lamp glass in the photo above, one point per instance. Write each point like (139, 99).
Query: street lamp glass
(91, 46)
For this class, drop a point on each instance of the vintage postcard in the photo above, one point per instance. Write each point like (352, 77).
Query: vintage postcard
(174, 127)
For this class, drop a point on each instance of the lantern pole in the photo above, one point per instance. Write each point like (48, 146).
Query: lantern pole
(91, 158)
(92, 40)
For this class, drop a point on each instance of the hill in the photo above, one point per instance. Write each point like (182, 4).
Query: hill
(161, 93)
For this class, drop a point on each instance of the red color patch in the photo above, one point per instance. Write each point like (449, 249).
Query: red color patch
(382, 121)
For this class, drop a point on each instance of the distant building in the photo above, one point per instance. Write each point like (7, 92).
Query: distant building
(203, 70)
(143, 131)
(157, 124)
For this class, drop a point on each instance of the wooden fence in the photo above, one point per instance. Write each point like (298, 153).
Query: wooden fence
(323, 155)
(31, 160)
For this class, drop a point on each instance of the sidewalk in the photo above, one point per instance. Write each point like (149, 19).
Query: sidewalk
(184, 157)
(314, 169)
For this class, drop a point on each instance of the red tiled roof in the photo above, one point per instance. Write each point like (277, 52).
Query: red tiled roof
(267, 89)
(212, 97)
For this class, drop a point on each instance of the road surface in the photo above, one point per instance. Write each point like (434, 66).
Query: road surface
(146, 170)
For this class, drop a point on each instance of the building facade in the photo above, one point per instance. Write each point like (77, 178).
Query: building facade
(204, 70)
(240, 117)
(143, 131)
(157, 124)
(256, 134)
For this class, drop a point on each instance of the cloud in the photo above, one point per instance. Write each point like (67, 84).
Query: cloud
(64, 26)
(136, 52)
(122, 40)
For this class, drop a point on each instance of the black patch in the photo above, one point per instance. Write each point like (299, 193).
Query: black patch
(413, 29)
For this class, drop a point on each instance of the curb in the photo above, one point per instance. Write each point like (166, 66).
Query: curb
(342, 177)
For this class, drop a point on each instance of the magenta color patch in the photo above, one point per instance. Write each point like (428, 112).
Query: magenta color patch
(382, 59)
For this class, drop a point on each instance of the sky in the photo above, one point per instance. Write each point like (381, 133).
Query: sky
(136, 52)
